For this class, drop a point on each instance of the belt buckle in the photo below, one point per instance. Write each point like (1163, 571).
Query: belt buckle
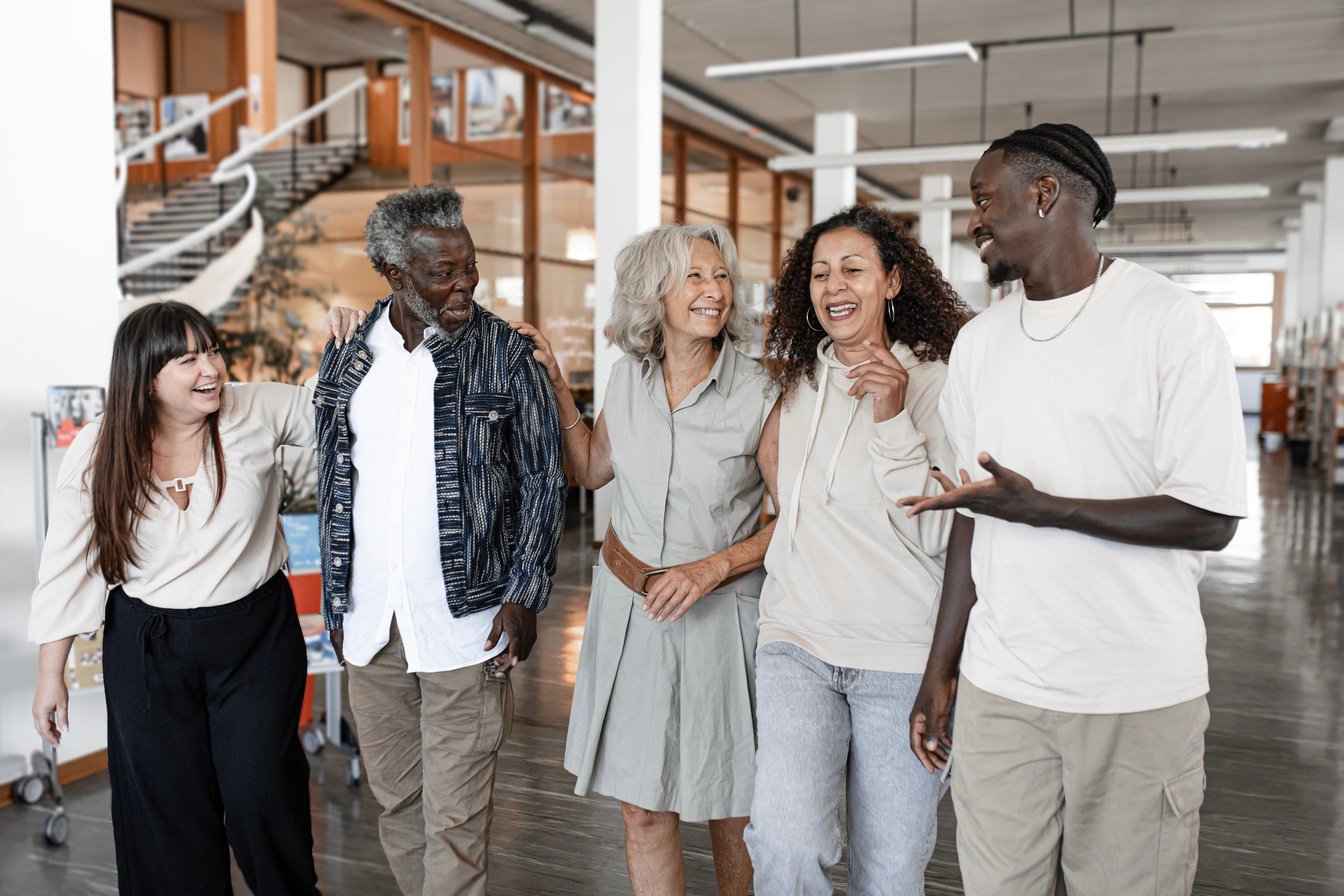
(645, 576)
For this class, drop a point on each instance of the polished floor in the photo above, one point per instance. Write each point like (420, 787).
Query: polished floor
(1273, 822)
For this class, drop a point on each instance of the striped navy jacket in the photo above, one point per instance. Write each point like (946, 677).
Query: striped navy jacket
(498, 475)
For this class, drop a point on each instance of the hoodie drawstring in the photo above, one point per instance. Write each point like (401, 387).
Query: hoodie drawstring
(795, 502)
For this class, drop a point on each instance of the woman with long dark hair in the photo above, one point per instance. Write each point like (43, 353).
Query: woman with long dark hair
(170, 500)
(863, 327)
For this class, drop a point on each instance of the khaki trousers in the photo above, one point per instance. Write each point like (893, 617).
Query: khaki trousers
(429, 741)
(1108, 802)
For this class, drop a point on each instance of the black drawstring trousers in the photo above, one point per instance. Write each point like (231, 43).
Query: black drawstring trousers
(203, 747)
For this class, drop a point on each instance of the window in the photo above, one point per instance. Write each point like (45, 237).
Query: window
(1243, 305)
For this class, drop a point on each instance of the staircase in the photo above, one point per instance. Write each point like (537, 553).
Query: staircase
(287, 180)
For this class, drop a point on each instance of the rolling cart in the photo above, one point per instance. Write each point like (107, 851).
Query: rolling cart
(30, 789)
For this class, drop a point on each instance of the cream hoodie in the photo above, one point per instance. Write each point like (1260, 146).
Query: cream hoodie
(851, 579)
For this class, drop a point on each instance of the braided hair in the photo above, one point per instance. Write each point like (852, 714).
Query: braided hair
(1045, 148)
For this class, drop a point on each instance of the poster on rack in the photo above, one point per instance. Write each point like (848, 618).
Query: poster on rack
(494, 103)
(564, 111)
(69, 408)
(135, 122)
(194, 142)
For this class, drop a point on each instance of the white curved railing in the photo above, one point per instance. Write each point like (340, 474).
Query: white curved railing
(217, 226)
(124, 157)
(229, 170)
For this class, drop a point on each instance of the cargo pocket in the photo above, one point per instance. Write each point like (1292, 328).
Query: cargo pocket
(496, 719)
(1178, 843)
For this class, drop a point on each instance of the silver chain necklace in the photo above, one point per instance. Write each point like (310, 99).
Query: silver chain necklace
(1022, 308)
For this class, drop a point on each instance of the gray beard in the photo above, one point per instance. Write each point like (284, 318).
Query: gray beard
(416, 304)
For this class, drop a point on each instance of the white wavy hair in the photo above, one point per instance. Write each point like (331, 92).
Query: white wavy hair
(649, 267)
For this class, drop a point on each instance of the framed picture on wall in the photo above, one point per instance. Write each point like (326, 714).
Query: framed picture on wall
(564, 112)
(494, 103)
(194, 143)
(443, 106)
(135, 122)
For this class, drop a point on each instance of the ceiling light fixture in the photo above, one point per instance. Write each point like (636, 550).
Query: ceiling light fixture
(561, 39)
(1334, 129)
(1121, 144)
(1205, 193)
(861, 61)
(500, 10)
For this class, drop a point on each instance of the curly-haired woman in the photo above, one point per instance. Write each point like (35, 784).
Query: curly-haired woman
(863, 325)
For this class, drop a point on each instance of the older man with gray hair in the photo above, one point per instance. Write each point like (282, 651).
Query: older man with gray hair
(442, 501)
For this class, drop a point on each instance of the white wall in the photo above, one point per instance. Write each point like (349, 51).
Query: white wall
(58, 249)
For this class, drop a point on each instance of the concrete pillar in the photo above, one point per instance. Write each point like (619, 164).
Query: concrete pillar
(64, 307)
(935, 227)
(1292, 274)
(262, 51)
(1313, 248)
(629, 162)
(1332, 234)
(834, 188)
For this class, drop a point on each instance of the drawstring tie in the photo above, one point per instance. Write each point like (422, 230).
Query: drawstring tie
(154, 627)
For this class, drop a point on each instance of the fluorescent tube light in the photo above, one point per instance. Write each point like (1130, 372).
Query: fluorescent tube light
(553, 35)
(1244, 138)
(500, 10)
(861, 61)
(1206, 193)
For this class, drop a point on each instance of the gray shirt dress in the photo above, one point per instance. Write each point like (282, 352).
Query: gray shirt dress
(663, 711)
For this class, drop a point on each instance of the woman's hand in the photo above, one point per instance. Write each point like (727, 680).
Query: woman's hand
(544, 354)
(676, 591)
(51, 698)
(882, 377)
(341, 322)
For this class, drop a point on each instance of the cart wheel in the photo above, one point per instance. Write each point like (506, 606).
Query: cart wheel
(29, 789)
(352, 773)
(57, 829)
(313, 741)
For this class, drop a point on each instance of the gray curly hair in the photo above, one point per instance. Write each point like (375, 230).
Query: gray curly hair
(649, 267)
(398, 215)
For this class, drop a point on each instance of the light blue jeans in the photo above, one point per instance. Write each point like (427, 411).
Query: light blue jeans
(827, 733)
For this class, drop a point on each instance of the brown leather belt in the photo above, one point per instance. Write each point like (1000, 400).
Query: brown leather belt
(632, 572)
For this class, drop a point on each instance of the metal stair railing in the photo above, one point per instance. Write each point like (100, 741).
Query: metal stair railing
(237, 167)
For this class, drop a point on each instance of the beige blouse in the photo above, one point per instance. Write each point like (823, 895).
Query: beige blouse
(187, 558)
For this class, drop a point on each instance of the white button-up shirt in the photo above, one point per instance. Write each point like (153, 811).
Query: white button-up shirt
(396, 571)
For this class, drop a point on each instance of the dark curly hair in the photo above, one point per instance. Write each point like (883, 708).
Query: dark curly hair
(928, 311)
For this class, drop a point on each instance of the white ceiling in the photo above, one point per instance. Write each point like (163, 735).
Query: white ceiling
(1225, 63)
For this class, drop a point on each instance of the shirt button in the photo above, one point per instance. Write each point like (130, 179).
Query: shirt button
(359, 366)
(340, 508)
(336, 562)
(494, 415)
(340, 458)
(362, 353)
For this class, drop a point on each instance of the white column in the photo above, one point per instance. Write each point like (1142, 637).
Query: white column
(1332, 234)
(935, 227)
(834, 188)
(628, 162)
(1313, 248)
(59, 237)
(1292, 274)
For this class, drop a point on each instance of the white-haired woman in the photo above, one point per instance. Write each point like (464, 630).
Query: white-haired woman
(663, 705)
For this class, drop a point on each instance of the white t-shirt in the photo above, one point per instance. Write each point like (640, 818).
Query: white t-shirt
(395, 569)
(1138, 398)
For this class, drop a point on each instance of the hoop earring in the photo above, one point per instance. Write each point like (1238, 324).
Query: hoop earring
(808, 316)
(891, 309)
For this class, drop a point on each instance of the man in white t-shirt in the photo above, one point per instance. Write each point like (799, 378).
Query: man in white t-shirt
(1098, 411)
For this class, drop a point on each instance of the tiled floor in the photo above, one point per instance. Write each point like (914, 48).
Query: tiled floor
(1273, 822)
